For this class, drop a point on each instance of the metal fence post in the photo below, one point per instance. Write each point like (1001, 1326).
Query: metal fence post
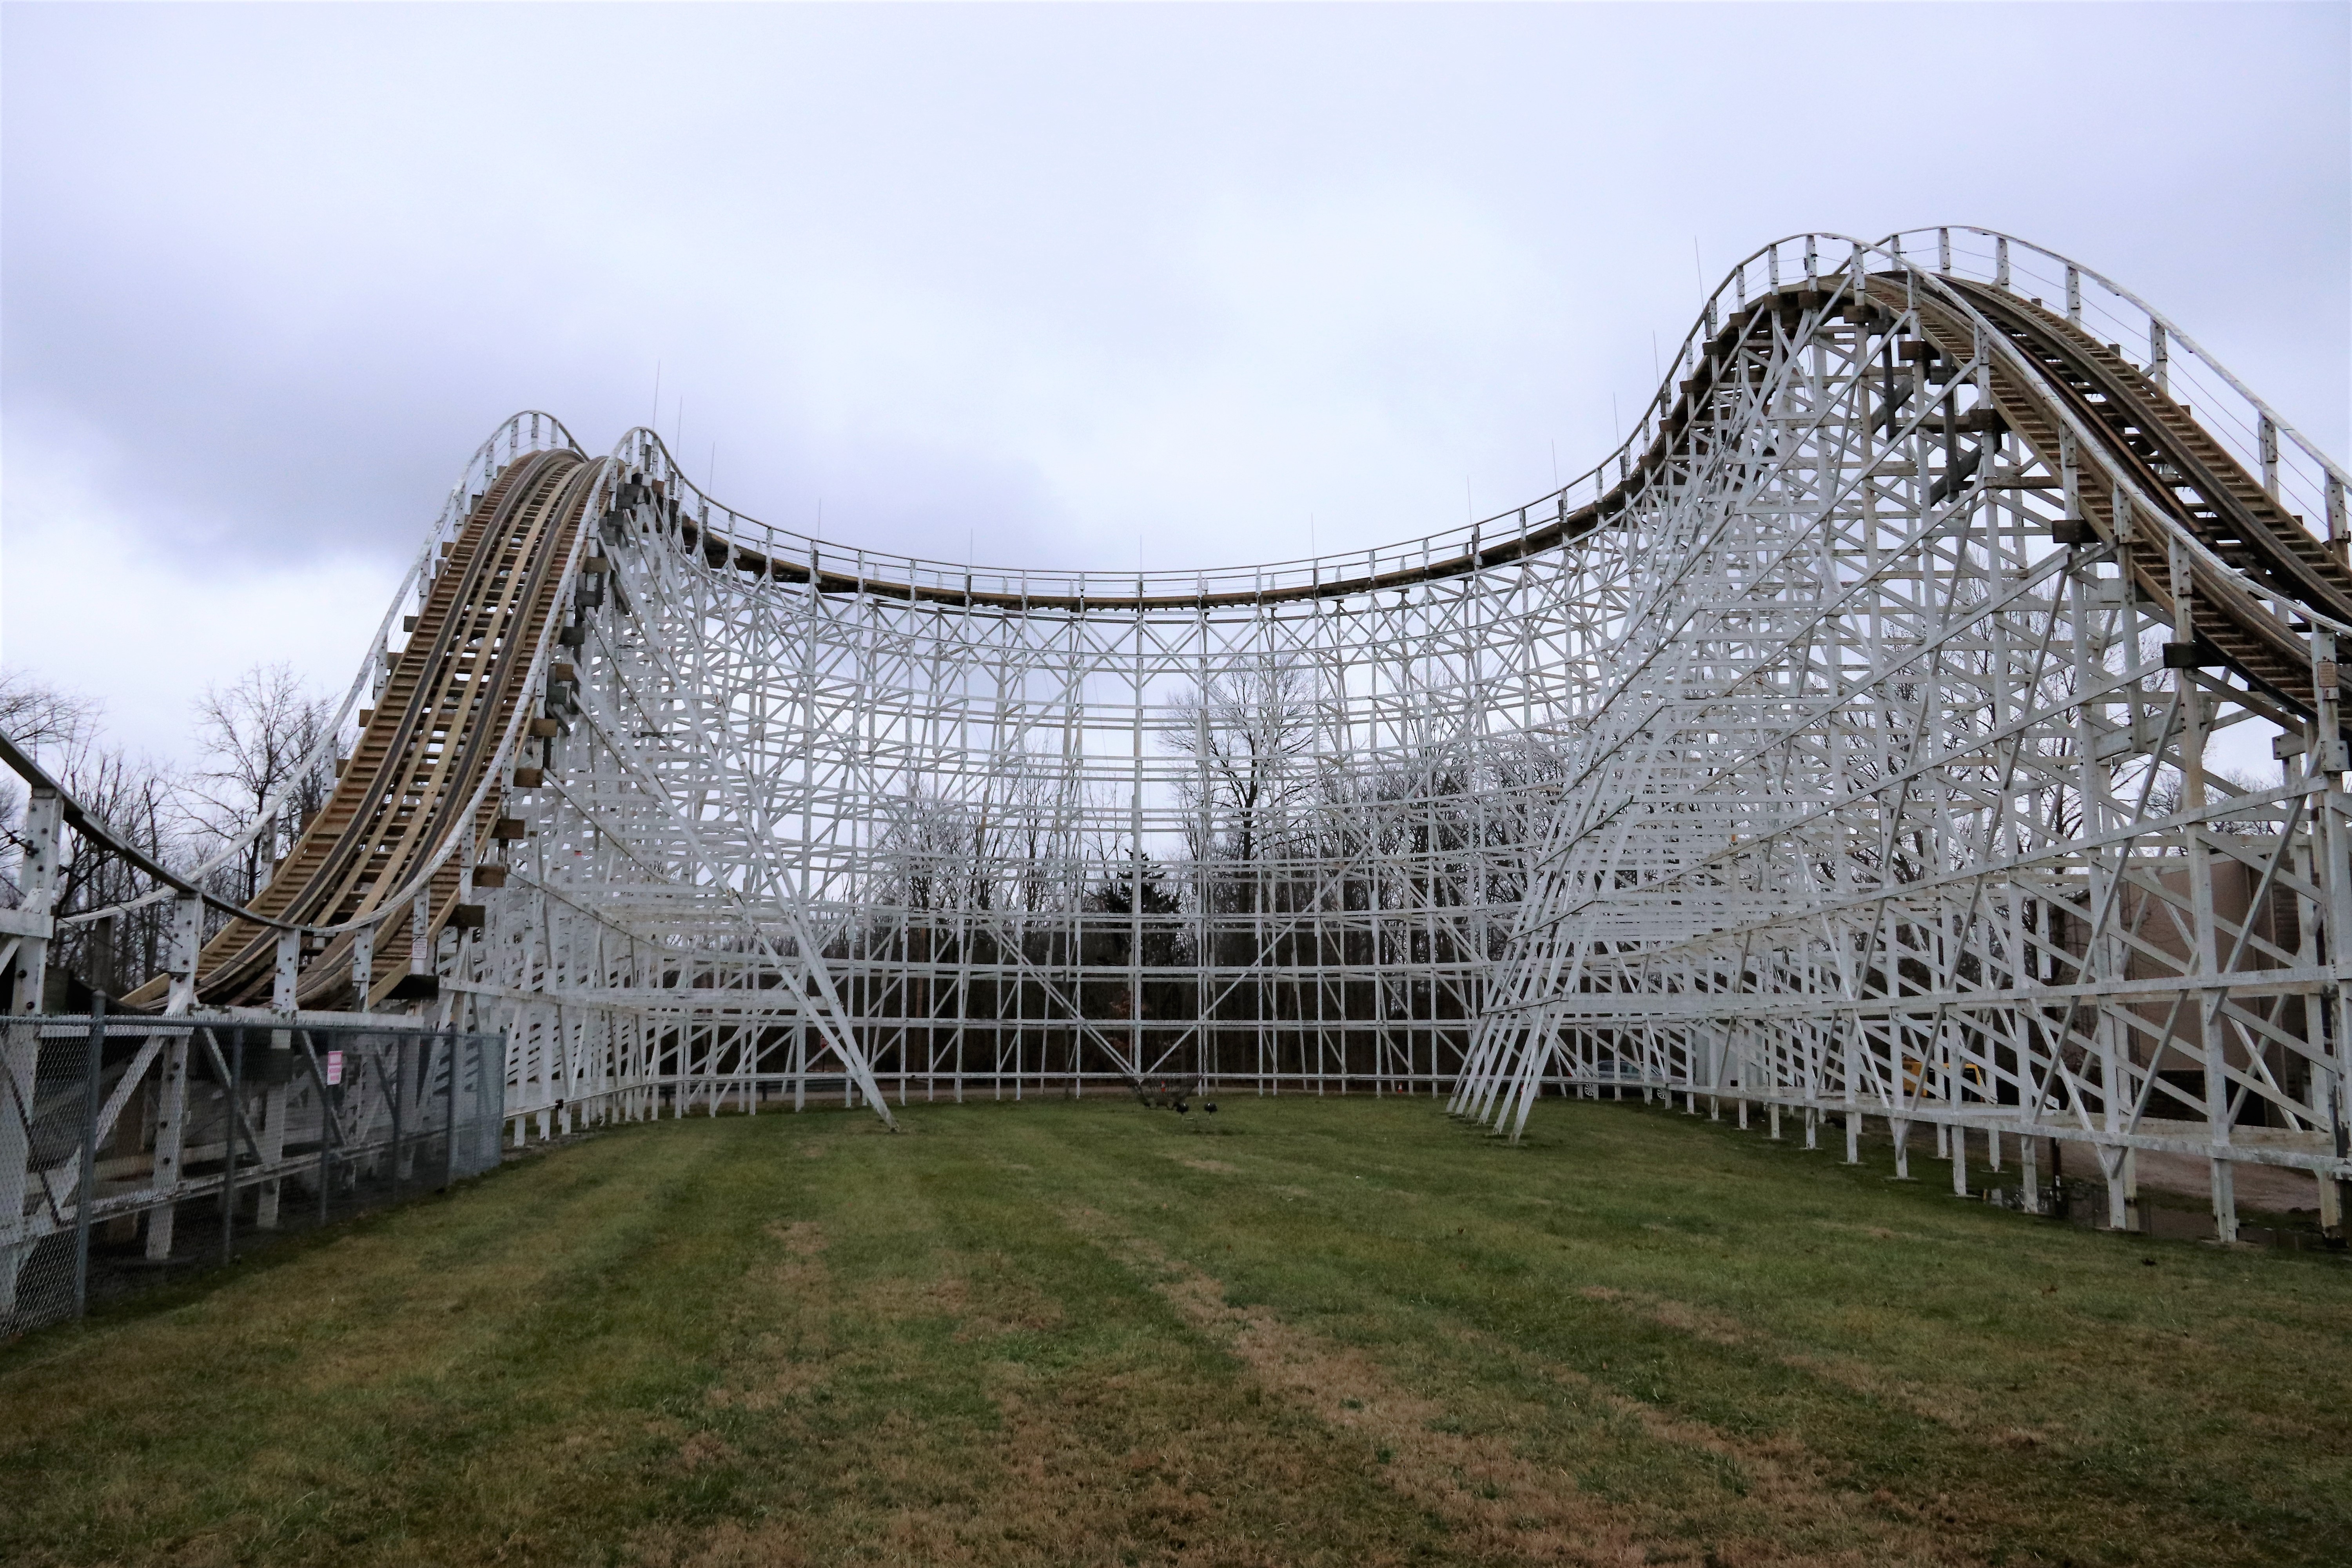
(326, 1120)
(228, 1142)
(86, 1192)
(399, 1096)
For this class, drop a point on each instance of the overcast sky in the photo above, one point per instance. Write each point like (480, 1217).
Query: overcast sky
(1062, 286)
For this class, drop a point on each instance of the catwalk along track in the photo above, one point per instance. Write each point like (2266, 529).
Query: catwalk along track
(1931, 714)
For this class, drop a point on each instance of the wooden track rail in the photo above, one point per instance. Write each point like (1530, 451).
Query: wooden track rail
(423, 748)
(2156, 440)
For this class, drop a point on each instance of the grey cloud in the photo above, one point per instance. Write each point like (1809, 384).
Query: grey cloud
(1050, 278)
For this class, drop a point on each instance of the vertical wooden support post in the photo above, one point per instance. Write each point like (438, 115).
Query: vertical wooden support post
(402, 1100)
(799, 1058)
(172, 1088)
(2211, 1041)
(186, 946)
(36, 881)
(93, 1064)
(327, 1139)
(362, 967)
(37, 873)
(276, 1097)
(2332, 846)
(2160, 358)
(404, 1093)
(1852, 1076)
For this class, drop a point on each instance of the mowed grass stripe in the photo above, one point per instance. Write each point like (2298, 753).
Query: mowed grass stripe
(976, 1384)
(1337, 1332)
(358, 1389)
(1918, 1358)
(1897, 1332)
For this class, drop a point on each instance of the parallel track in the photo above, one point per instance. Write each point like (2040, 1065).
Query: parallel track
(2153, 438)
(423, 749)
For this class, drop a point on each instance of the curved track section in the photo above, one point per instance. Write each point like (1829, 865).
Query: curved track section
(396, 891)
(1846, 745)
(1898, 797)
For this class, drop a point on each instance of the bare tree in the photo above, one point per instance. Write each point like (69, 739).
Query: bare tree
(930, 842)
(1016, 847)
(48, 724)
(1252, 733)
(133, 796)
(39, 717)
(253, 735)
(1039, 808)
(136, 798)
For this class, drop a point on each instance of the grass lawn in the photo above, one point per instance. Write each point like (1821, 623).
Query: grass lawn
(1298, 1332)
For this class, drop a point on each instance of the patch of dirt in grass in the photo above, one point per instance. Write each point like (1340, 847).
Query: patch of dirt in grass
(1080, 1483)
(728, 1545)
(1879, 1232)
(1214, 1167)
(1716, 1328)
(1499, 1504)
(983, 1292)
(802, 1238)
(794, 1346)
(704, 1448)
(1051, 1491)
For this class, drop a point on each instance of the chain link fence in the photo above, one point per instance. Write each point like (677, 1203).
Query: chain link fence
(132, 1146)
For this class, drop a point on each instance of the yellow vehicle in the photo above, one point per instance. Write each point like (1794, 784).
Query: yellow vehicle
(1971, 1073)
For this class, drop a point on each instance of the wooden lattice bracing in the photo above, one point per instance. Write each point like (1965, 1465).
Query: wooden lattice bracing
(1866, 737)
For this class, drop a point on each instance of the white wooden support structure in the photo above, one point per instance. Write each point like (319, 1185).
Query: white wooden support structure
(30, 928)
(1857, 742)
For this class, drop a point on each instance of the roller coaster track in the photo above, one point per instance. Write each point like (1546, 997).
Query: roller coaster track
(426, 744)
(1838, 747)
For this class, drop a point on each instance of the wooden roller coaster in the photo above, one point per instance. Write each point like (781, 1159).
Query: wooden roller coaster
(1801, 700)
(427, 748)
